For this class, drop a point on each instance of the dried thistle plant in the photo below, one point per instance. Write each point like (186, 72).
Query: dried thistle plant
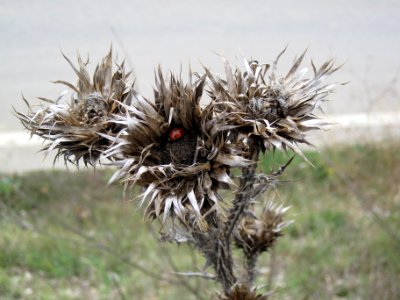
(182, 154)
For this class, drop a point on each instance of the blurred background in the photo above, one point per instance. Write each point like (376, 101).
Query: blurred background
(65, 235)
(362, 35)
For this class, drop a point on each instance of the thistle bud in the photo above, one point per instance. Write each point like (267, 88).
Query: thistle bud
(242, 292)
(256, 235)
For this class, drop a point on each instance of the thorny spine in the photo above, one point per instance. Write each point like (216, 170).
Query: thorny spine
(241, 203)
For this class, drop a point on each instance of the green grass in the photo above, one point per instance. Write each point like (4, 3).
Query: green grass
(66, 235)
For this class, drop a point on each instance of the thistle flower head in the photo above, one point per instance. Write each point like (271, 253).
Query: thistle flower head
(176, 151)
(243, 291)
(279, 110)
(75, 128)
(256, 235)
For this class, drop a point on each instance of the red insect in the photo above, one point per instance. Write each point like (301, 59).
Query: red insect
(176, 134)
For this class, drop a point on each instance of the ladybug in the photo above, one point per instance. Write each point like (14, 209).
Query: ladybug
(176, 134)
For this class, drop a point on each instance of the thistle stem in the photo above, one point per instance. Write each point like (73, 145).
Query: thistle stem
(224, 267)
(240, 204)
(243, 197)
(217, 253)
(216, 244)
(251, 261)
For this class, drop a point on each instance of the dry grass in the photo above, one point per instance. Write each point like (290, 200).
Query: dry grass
(68, 236)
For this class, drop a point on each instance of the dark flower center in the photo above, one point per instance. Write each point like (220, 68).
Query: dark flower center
(94, 109)
(272, 108)
(179, 146)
